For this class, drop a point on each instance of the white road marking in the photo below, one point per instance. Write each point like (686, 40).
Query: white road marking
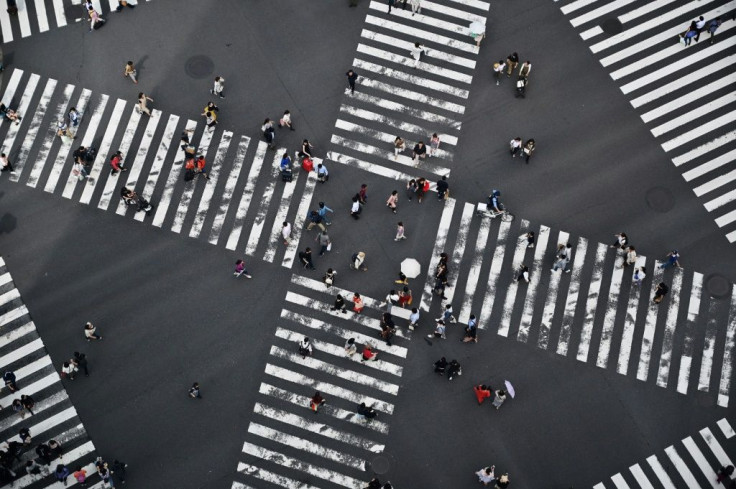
(484, 315)
(665, 358)
(682, 469)
(471, 284)
(158, 163)
(227, 193)
(591, 303)
(693, 309)
(627, 337)
(609, 318)
(413, 79)
(443, 230)
(301, 216)
(709, 344)
(186, 196)
(508, 305)
(537, 269)
(724, 387)
(640, 477)
(247, 197)
(112, 180)
(209, 189)
(650, 327)
(550, 303)
(661, 474)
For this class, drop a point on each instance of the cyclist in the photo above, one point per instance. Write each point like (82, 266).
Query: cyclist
(494, 203)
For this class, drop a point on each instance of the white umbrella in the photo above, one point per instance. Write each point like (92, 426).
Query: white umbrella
(510, 388)
(477, 28)
(411, 268)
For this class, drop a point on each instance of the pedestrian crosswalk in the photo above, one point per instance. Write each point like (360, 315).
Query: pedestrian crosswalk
(396, 95)
(692, 463)
(23, 353)
(244, 183)
(39, 16)
(685, 95)
(287, 442)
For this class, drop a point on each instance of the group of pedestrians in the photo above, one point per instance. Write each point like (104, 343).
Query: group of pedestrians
(517, 147)
(696, 27)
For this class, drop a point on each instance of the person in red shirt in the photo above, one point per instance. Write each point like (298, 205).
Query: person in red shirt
(116, 162)
(368, 353)
(481, 392)
(200, 162)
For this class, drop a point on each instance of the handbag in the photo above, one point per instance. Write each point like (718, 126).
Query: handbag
(329, 247)
(447, 194)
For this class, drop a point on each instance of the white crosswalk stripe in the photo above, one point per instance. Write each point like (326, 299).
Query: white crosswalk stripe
(154, 168)
(23, 354)
(685, 94)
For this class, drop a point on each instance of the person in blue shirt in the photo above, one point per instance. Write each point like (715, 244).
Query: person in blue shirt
(323, 210)
(285, 162)
(494, 202)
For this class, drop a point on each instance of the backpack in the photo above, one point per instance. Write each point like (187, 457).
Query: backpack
(189, 175)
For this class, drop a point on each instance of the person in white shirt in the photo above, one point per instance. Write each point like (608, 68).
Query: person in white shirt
(218, 87)
(498, 69)
(699, 24)
(286, 232)
(416, 53)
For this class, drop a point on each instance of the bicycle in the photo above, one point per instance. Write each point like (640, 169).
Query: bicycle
(483, 210)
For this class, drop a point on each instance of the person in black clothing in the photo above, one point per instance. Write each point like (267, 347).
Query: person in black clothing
(9, 378)
(118, 470)
(28, 403)
(660, 292)
(374, 484)
(352, 78)
(366, 411)
(523, 274)
(454, 369)
(442, 187)
(25, 436)
(45, 455)
(306, 258)
(440, 366)
(56, 449)
(80, 361)
(339, 304)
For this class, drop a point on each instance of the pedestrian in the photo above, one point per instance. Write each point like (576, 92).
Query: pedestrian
(454, 369)
(368, 414)
(512, 61)
(689, 34)
(18, 408)
(629, 257)
(106, 476)
(498, 68)
(439, 330)
(524, 71)
(420, 151)
(422, 188)
(416, 6)
(95, 19)
(392, 299)
(374, 483)
(68, 370)
(477, 36)
(350, 347)
(413, 318)
(481, 391)
(471, 331)
(315, 220)
(62, 129)
(713, 27)
(447, 314)
(33, 469)
(118, 470)
(388, 328)
(390, 4)
(56, 449)
(322, 174)
(399, 146)
(660, 292)
(486, 475)
(201, 163)
(416, 53)
(400, 232)
(562, 258)
(402, 280)
(316, 402)
(323, 210)
(5, 164)
(440, 280)
(523, 274)
(116, 162)
(699, 24)
(285, 120)
(130, 72)
(325, 244)
(218, 87)
(673, 259)
(79, 360)
(393, 201)
(269, 134)
(80, 475)
(357, 261)
(355, 209)
(305, 348)
(529, 148)
(44, 454)
(724, 473)
(143, 100)
(353, 76)
(499, 398)
(286, 232)
(363, 194)
(339, 304)
(515, 147)
(622, 241)
(329, 277)
(357, 303)
(639, 274)
(124, 3)
(368, 353)
(530, 239)
(9, 378)
(503, 482)
(434, 144)
(10, 114)
(73, 118)
(210, 116)
(194, 391)
(25, 436)
(240, 270)
(61, 473)
(405, 297)
(443, 188)
(440, 366)
(306, 258)
(306, 151)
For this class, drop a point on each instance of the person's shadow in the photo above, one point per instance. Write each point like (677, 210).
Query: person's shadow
(8, 222)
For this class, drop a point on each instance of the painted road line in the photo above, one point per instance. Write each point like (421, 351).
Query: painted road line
(609, 318)
(48, 423)
(484, 315)
(123, 147)
(665, 358)
(175, 172)
(471, 284)
(619, 482)
(10, 89)
(577, 4)
(716, 447)
(461, 239)
(439, 246)
(360, 64)
(531, 290)
(731, 237)
(6, 28)
(21, 352)
(50, 137)
(38, 115)
(41, 15)
(422, 19)
(317, 428)
(229, 190)
(661, 474)
(49, 380)
(395, 123)
(686, 99)
(408, 62)
(326, 388)
(550, 303)
(628, 17)
(66, 143)
(627, 336)
(594, 289)
(87, 140)
(682, 469)
(726, 218)
(420, 34)
(411, 95)
(5, 278)
(9, 296)
(328, 409)
(274, 237)
(474, 3)
(301, 216)
(688, 117)
(49, 401)
(693, 309)
(714, 164)
(452, 12)
(134, 170)
(725, 427)
(189, 187)
(69, 457)
(640, 477)
(406, 110)
(369, 167)
(341, 333)
(508, 305)
(650, 327)
(704, 148)
(247, 197)
(408, 46)
(709, 345)
(591, 15)
(25, 371)
(25, 23)
(100, 162)
(267, 476)
(714, 184)
(18, 332)
(59, 13)
(260, 220)
(25, 102)
(158, 162)
(209, 190)
(724, 387)
(724, 199)
(701, 462)
(315, 305)
(339, 351)
(12, 315)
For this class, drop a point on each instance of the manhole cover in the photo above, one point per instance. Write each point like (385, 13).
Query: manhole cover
(660, 199)
(380, 465)
(199, 66)
(612, 26)
(717, 286)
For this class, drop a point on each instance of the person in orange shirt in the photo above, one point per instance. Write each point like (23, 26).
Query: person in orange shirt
(357, 303)
(481, 392)
(200, 166)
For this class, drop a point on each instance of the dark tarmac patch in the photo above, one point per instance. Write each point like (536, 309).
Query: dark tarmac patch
(612, 26)
(199, 66)
(380, 465)
(660, 199)
(717, 286)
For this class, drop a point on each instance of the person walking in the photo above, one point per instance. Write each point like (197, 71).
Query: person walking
(530, 239)
(400, 232)
(329, 277)
(411, 189)
(80, 361)
(218, 87)
(118, 470)
(315, 220)
(240, 270)
(368, 414)
(499, 398)
(413, 318)
(416, 53)
(5, 164)
(269, 133)
(498, 68)
(339, 304)
(562, 258)
(393, 201)
(512, 61)
(194, 391)
(18, 408)
(515, 147)
(316, 402)
(28, 403)
(10, 380)
(434, 144)
(350, 347)
(116, 162)
(391, 3)
(200, 164)
(122, 4)
(439, 330)
(440, 366)
(357, 261)
(622, 241)
(68, 370)
(285, 120)
(447, 315)
(323, 210)
(210, 116)
(95, 19)
(640, 274)
(525, 70)
(143, 100)
(130, 72)
(286, 232)
(355, 209)
(672, 260)
(90, 332)
(305, 348)
(80, 475)
(443, 188)
(629, 257)
(405, 297)
(689, 34)
(368, 354)
(699, 24)
(61, 473)
(502, 482)
(422, 188)
(420, 152)
(322, 174)
(713, 27)
(724, 473)
(486, 475)
(471, 331)
(305, 257)
(363, 194)
(523, 274)
(325, 244)
(416, 6)
(529, 148)
(660, 292)
(353, 76)
(357, 303)
(399, 146)
(454, 369)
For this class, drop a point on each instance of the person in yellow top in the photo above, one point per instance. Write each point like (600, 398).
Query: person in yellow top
(210, 113)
